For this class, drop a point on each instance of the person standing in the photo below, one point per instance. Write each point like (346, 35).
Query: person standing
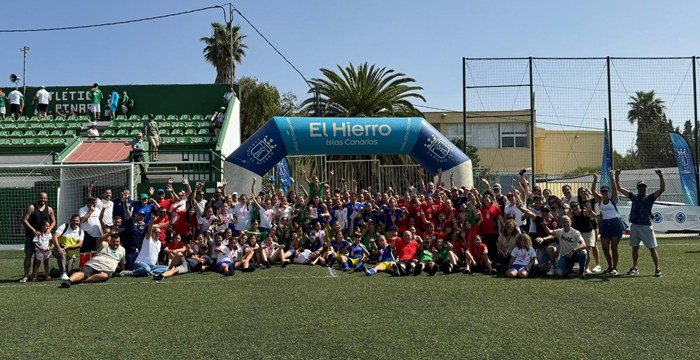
(127, 103)
(16, 103)
(137, 155)
(3, 100)
(35, 214)
(96, 96)
(641, 230)
(151, 132)
(43, 97)
(114, 101)
(90, 224)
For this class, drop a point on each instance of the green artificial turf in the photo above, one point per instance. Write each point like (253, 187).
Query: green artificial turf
(303, 312)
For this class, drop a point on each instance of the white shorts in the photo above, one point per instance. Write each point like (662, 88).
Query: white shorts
(42, 255)
(2, 110)
(94, 108)
(642, 234)
(589, 238)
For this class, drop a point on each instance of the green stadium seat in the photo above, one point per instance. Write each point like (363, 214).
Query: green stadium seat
(11, 126)
(34, 119)
(190, 132)
(34, 141)
(61, 141)
(120, 125)
(6, 142)
(121, 117)
(176, 132)
(197, 117)
(184, 117)
(75, 125)
(23, 125)
(18, 141)
(163, 132)
(144, 117)
(166, 125)
(4, 133)
(45, 141)
(60, 118)
(29, 133)
(171, 117)
(63, 125)
(72, 118)
(49, 125)
(84, 118)
(69, 133)
(135, 131)
(57, 133)
(186, 140)
(159, 117)
(23, 118)
(108, 132)
(180, 124)
(122, 132)
(204, 131)
(43, 133)
(134, 118)
(200, 140)
(36, 126)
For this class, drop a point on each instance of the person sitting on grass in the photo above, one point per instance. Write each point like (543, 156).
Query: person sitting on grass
(447, 259)
(406, 248)
(477, 258)
(522, 258)
(357, 254)
(175, 247)
(572, 248)
(338, 251)
(426, 260)
(197, 260)
(273, 251)
(244, 254)
(225, 255)
(67, 241)
(146, 263)
(258, 254)
(314, 243)
(110, 257)
(506, 243)
(42, 244)
(385, 259)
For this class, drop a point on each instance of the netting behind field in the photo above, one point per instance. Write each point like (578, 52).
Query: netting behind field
(642, 100)
(65, 185)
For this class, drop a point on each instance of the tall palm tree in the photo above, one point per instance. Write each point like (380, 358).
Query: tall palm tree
(217, 50)
(365, 91)
(653, 144)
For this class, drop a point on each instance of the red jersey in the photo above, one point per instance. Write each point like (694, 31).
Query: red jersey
(489, 222)
(406, 250)
(175, 245)
(183, 226)
(162, 220)
(477, 251)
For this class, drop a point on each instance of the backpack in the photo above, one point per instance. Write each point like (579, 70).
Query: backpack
(130, 103)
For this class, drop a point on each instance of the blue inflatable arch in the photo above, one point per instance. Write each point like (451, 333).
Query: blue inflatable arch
(282, 136)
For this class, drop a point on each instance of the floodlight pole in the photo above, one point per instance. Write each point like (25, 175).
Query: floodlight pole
(24, 50)
(230, 44)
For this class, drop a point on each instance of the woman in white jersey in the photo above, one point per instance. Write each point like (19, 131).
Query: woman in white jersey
(611, 227)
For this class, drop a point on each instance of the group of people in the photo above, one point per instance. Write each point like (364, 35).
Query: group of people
(430, 229)
(43, 97)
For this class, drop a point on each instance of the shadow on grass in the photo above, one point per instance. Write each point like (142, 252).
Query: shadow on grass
(693, 252)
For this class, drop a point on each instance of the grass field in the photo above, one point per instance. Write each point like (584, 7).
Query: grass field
(306, 312)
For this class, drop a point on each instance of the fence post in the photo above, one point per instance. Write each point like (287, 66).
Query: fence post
(532, 125)
(695, 132)
(610, 133)
(464, 105)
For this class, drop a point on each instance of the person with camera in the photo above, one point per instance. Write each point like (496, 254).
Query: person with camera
(110, 256)
(641, 230)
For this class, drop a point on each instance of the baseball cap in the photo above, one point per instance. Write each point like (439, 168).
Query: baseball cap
(141, 212)
(93, 123)
(497, 186)
(161, 191)
(566, 206)
(641, 183)
(235, 193)
(606, 188)
(143, 196)
(151, 116)
(546, 208)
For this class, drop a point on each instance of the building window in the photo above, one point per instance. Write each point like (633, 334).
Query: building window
(485, 136)
(454, 131)
(513, 135)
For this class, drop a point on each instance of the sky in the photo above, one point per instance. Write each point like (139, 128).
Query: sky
(425, 40)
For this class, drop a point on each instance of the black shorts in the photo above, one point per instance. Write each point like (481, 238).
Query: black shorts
(29, 244)
(42, 107)
(88, 271)
(14, 108)
(89, 243)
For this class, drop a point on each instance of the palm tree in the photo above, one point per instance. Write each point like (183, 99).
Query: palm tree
(365, 91)
(653, 144)
(217, 50)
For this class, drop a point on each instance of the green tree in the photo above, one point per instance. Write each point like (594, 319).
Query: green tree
(472, 152)
(689, 134)
(626, 162)
(365, 91)
(259, 102)
(654, 147)
(217, 51)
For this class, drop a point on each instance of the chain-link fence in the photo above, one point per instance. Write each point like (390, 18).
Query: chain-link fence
(569, 101)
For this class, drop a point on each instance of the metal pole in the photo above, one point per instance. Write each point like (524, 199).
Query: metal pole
(24, 70)
(317, 100)
(610, 129)
(695, 132)
(230, 44)
(464, 105)
(532, 124)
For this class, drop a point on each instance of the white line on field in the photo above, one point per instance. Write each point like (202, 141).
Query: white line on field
(168, 282)
(332, 272)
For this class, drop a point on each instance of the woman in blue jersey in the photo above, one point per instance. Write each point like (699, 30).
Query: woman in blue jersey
(385, 259)
(357, 254)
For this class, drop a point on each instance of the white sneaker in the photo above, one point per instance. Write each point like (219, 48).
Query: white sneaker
(588, 271)
(597, 269)
(551, 271)
(64, 277)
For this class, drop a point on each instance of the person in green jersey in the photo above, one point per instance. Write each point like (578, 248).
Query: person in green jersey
(96, 96)
(370, 236)
(425, 260)
(3, 100)
(446, 257)
(316, 187)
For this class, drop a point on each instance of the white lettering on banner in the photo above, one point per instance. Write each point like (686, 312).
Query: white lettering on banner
(348, 130)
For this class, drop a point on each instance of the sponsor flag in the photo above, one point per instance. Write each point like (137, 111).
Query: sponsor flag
(607, 158)
(686, 168)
